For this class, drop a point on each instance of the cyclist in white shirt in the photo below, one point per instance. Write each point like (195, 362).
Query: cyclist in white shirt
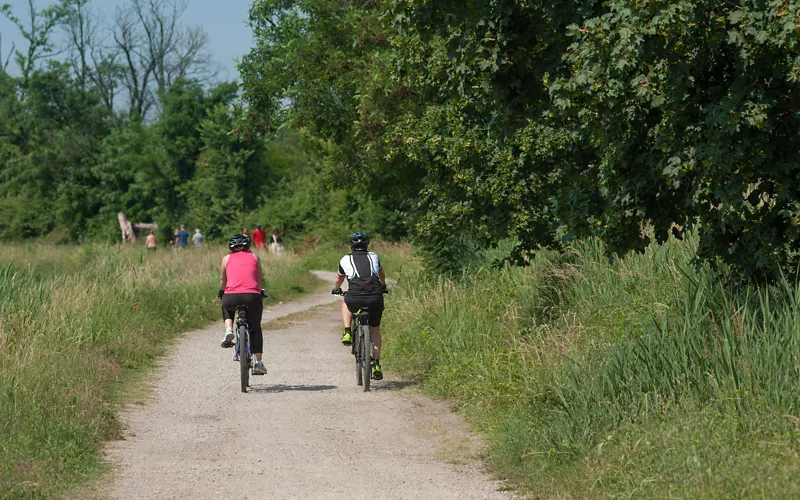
(366, 286)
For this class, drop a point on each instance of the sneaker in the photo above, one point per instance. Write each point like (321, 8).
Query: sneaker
(377, 374)
(227, 340)
(259, 369)
(347, 339)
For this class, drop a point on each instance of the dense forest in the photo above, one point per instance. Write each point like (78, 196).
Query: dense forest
(457, 124)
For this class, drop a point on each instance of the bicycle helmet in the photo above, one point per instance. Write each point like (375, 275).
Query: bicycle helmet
(359, 241)
(238, 243)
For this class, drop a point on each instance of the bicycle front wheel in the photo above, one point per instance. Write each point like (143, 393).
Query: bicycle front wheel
(244, 359)
(366, 356)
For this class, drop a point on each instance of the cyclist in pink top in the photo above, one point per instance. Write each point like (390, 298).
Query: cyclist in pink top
(241, 284)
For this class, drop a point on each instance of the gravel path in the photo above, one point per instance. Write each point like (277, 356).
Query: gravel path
(304, 431)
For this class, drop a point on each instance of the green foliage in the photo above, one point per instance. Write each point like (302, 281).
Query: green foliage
(549, 121)
(594, 378)
(80, 326)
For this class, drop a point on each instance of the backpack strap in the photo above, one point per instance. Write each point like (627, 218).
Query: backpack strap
(362, 264)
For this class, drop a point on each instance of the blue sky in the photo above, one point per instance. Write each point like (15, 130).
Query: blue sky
(224, 20)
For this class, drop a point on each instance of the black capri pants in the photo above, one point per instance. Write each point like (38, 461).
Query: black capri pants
(373, 302)
(255, 307)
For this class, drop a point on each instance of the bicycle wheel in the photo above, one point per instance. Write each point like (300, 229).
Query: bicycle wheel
(244, 358)
(366, 355)
(357, 351)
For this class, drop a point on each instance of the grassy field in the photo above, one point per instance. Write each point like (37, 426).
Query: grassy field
(641, 377)
(78, 327)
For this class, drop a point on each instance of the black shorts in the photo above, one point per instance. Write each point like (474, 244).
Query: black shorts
(255, 306)
(372, 302)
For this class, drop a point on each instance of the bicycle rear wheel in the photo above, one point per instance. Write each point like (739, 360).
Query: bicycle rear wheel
(366, 355)
(357, 352)
(244, 358)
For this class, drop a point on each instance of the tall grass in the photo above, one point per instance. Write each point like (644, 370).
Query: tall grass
(593, 378)
(77, 326)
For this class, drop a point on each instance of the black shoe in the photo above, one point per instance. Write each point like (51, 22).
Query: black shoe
(377, 374)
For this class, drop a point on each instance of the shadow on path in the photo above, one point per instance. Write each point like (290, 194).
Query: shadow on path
(288, 388)
(391, 385)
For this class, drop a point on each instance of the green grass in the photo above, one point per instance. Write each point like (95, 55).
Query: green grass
(641, 377)
(78, 327)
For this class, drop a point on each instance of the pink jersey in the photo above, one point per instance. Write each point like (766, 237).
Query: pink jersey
(242, 273)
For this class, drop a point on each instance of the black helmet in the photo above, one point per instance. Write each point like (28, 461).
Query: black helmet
(238, 243)
(359, 241)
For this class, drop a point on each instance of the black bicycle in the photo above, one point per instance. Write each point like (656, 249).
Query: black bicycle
(362, 347)
(242, 353)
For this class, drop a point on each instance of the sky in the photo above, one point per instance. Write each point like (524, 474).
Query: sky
(223, 20)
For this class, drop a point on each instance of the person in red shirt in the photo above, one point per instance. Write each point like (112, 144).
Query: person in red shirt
(259, 237)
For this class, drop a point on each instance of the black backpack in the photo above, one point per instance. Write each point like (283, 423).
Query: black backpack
(364, 283)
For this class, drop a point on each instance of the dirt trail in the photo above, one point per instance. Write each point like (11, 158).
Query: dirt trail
(304, 431)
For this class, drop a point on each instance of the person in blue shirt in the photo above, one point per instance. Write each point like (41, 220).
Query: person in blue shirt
(183, 238)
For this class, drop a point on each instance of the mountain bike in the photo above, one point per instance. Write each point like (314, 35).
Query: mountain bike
(362, 346)
(241, 351)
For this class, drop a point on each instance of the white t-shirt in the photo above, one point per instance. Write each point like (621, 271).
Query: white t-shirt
(347, 266)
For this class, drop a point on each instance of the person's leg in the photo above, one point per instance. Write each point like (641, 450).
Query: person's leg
(375, 314)
(347, 317)
(255, 307)
(228, 301)
(375, 333)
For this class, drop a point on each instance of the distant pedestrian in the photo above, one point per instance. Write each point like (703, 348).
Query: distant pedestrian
(197, 238)
(259, 237)
(183, 238)
(244, 233)
(150, 242)
(173, 240)
(275, 242)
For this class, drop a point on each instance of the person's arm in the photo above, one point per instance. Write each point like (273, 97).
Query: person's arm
(382, 276)
(339, 281)
(340, 276)
(223, 276)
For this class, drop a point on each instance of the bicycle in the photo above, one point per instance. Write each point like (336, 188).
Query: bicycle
(241, 351)
(362, 347)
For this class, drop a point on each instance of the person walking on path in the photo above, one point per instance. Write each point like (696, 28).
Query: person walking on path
(275, 242)
(183, 238)
(259, 237)
(244, 233)
(240, 283)
(150, 242)
(197, 238)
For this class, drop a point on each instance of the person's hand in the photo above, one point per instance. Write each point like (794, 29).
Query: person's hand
(385, 289)
(336, 291)
(220, 294)
(264, 293)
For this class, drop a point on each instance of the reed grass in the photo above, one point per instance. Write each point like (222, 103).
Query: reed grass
(641, 376)
(78, 326)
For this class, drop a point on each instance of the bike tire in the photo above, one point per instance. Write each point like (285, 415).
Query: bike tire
(244, 361)
(366, 356)
(357, 354)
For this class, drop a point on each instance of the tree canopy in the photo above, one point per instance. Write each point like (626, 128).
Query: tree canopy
(545, 121)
